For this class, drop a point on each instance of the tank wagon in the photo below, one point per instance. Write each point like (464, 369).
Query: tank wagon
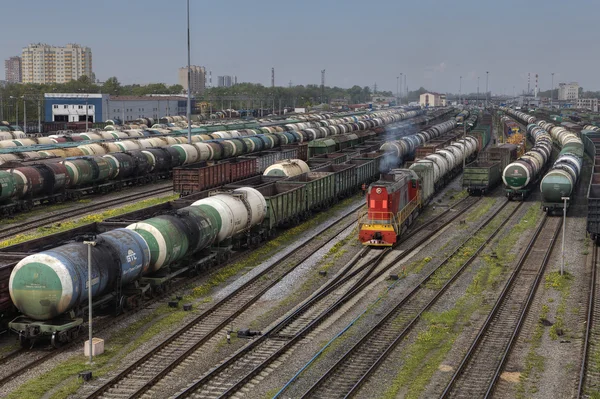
(185, 239)
(591, 140)
(394, 201)
(88, 173)
(560, 180)
(461, 117)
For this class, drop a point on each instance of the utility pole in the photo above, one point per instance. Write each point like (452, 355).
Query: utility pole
(460, 90)
(272, 77)
(322, 86)
(189, 78)
(39, 116)
(487, 75)
(477, 90)
(90, 244)
(86, 112)
(552, 91)
(397, 95)
(562, 265)
(406, 88)
(24, 116)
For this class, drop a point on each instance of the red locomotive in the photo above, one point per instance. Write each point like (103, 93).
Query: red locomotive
(393, 202)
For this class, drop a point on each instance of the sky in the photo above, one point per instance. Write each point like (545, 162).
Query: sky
(356, 42)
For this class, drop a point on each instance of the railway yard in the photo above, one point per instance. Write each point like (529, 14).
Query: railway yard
(327, 256)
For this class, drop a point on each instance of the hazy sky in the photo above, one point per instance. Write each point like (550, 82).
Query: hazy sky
(357, 42)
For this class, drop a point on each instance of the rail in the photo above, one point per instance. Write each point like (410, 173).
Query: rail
(480, 368)
(352, 370)
(69, 213)
(264, 351)
(592, 316)
(184, 342)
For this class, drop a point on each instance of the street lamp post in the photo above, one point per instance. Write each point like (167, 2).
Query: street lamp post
(90, 244)
(24, 115)
(487, 75)
(189, 78)
(86, 112)
(552, 91)
(562, 265)
(477, 90)
(39, 115)
(460, 90)
(397, 93)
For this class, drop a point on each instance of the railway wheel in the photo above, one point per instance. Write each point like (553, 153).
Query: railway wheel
(25, 343)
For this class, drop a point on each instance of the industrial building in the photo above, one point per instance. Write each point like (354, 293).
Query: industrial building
(568, 91)
(197, 79)
(588, 103)
(42, 63)
(432, 100)
(73, 107)
(12, 70)
(226, 81)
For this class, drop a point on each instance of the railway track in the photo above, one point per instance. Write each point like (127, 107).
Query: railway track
(589, 375)
(230, 376)
(147, 371)
(353, 369)
(69, 213)
(478, 372)
(29, 359)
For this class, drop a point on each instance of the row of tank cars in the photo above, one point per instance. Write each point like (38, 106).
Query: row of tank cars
(591, 140)
(556, 181)
(397, 198)
(113, 165)
(141, 258)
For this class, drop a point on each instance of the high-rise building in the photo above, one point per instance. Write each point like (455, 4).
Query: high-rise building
(12, 69)
(225, 81)
(568, 91)
(42, 63)
(197, 78)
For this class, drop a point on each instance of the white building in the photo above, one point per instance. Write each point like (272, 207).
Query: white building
(432, 100)
(71, 107)
(588, 103)
(197, 78)
(42, 63)
(568, 91)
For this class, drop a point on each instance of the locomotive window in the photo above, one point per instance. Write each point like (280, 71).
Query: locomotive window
(384, 204)
(372, 203)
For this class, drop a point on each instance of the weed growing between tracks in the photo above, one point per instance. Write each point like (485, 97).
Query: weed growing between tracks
(424, 357)
(481, 210)
(534, 363)
(96, 217)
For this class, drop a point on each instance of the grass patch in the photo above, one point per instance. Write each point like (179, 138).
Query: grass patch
(97, 217)
(561, 284)
(481, 210)
(534, 362)
(119, 346)
(423, 358)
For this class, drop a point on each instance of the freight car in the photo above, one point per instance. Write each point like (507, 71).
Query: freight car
(394, 201)
(483, 175)
(137, 260)
(521, 176)
(591, 140)
(560, 181)
(105, 167)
